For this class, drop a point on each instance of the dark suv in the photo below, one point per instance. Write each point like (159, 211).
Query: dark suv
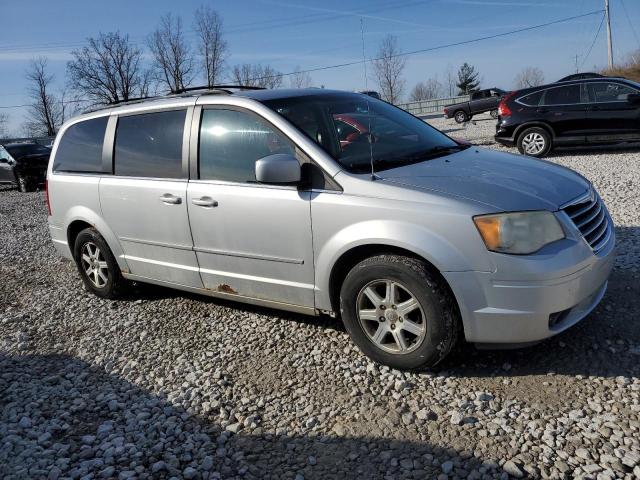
(24, 164)
(581, 112)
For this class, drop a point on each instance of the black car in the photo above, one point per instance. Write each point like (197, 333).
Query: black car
(580, 76)
(24, 164)
(479, 101)
(582, 112)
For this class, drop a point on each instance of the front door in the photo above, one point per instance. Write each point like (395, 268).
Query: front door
(611, 116)
(145, 201)
(250, 239)
(6, 167)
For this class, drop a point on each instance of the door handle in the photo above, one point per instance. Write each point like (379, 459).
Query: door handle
(170, 199)
(205, 202)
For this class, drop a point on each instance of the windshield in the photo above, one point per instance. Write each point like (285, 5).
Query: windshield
(18, 151)
(355, 129)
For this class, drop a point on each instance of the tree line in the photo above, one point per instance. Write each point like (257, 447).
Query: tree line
(111, 68)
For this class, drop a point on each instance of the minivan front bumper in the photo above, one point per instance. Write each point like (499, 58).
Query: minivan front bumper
(525, 308)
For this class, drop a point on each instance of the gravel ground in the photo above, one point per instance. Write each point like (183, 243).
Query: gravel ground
(164, 384)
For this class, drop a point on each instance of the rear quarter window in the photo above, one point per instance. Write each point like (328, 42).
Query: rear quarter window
(531, 100)
(80, 148)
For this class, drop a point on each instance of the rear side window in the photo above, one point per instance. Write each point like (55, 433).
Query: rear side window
(531, 100)
(150, 145)
(80, 148)
(231, 141)
(567, 95)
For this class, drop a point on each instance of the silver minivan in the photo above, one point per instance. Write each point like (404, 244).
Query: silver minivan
(319, 201)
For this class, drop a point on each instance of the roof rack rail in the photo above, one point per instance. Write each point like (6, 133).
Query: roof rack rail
(127, 101)
(224, 88)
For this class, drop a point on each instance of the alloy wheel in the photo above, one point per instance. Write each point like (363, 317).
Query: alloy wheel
(533, 143)
(391, 316)
(94, 265)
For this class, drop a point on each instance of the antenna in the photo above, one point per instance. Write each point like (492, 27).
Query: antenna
(366, 87)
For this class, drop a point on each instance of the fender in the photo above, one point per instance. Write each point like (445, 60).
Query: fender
(402, 234)
(94, 219)
(541, 124)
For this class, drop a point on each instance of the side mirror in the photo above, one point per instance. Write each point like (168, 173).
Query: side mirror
(634, 98)
(281, 168)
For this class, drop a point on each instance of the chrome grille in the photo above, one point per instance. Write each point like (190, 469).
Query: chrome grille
(590, 216)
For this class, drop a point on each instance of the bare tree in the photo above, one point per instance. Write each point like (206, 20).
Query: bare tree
(108, 70)
(450, 80)
(300, 79)
(256, 76)
(172, 54)
(4, 120)
(388, 67)
(45, 113)
(211, 44)
(529, 77)
(432, 88)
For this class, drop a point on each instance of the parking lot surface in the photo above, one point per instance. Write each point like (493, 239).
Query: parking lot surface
(165, 384)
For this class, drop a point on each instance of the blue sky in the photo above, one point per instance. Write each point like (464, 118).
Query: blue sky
(290, 33)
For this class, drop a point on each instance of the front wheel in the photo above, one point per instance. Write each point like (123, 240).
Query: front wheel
(97, 265)
(398, 312)
(24, 184)
(535, 142)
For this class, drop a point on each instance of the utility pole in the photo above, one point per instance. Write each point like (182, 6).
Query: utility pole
(576, 63)
(609, 44)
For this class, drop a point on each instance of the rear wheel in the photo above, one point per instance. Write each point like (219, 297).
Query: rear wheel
(535, 142)
(494, 113)
(97, 265)
(25, 184)
(460, 116)
(398, 312)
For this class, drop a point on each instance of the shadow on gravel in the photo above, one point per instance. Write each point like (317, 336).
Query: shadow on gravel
(60, 416)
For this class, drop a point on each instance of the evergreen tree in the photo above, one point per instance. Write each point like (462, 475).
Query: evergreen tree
(467, 79)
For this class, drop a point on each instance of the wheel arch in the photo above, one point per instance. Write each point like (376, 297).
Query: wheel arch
(80, 218)
(351, 257)
(540, 124)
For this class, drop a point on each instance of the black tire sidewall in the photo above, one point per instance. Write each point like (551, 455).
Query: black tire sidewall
(91, 235)
(23, 184)
(544, 133)
(461, 114)
(425, 290)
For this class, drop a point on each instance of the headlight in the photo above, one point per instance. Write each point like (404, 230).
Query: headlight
(519, 232)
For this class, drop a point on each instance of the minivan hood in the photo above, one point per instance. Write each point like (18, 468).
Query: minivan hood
(501, 180)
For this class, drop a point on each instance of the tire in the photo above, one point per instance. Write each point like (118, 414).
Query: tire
(460, 116)
(383, 334)
(90, 251)
(535, 142)
(24, 185)
(494, 113)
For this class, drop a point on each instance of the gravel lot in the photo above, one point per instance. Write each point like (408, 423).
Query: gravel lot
(166, 384)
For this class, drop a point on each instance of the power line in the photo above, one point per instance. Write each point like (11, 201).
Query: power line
(584, 60)
(268, 24)
(440, 47)
(633, 29)
(25, 105)
(414, 52)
